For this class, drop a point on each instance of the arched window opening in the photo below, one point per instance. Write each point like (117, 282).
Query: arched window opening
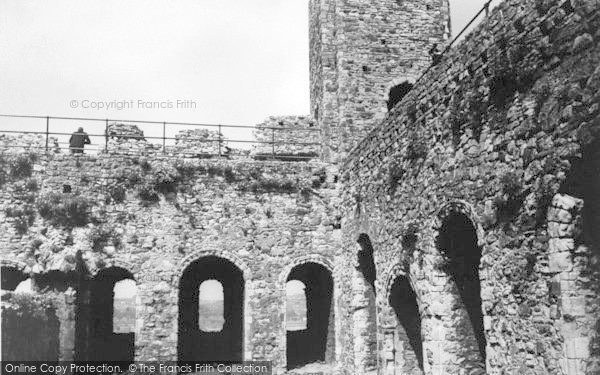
(397, 93)
(124, 302)
(112, 317)
(210, 306)
(198, 284)
(408, 343)
(458, 242)
(11, 277)
(295, 306)
(315, 344)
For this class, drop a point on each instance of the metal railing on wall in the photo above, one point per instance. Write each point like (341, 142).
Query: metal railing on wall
(158, 136)
(485, 9)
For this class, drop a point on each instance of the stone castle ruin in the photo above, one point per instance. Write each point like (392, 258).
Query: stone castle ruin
(443, 225)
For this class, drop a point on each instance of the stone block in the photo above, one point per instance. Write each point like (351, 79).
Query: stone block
(577, 348)
(560, 262)
(487, 323)
(574, 306)
(560, 230)
(438, 333)
(566, 202)
(557, 245)
(571, 366)
(559, 215)
(438, 370)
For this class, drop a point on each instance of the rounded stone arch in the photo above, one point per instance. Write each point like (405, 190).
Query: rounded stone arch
(396, 90)
(459, 240)
(395, 82)
(332, 330)
(391, 273)
(247, 289)
(460, 207)
(116, 263)
(194, 256)
(402, 320)
(315, 258)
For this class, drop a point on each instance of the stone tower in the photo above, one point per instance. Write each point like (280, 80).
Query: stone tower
(359, 51)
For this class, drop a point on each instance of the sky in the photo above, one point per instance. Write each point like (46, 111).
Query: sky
(203, 61)
(215, 61)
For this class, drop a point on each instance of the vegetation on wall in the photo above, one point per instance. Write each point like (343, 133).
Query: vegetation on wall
(103, 235)
(410, 234)
(16, 166)
(396, 172)
(467, 111)
(21, 210)
(510, 198)
(23, 216)
(417, 147)
(66, 210)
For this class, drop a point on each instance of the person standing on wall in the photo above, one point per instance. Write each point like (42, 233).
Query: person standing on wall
(436, 55)
(78, 140)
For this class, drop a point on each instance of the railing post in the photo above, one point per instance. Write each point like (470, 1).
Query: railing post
(164, 137)
(273, 143)
(220, 140)
(47, 131)
(106, 136)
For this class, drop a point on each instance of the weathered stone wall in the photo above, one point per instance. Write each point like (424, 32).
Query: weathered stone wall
(155, 216)
(294, 136)
(358, 51)
(493, 134)
(28, 142)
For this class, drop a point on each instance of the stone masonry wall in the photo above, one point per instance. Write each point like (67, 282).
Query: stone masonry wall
(155, 216)
(361, 49)
(294, 136)
(493, 133)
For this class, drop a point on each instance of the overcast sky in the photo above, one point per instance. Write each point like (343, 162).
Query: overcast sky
(237, 61)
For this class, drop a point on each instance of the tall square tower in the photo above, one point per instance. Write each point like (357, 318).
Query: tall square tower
(359, 51)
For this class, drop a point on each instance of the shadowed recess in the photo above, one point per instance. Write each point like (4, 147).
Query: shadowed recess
(583, 182)
(366, 266)
(11, 278)
(458, 242)
(194, 344)
(315, 343)
(105, 344)
(404, 302)
(397, 93)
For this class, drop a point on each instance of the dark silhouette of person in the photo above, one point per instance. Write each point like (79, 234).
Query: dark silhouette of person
(78, 140)
(436, 55)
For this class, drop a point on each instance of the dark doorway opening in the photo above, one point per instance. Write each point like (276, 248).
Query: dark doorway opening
(316, 343)
(397, 93)
(224, 345)
(105, 344)
(11, 278)
(458, 242)
(404, 302)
